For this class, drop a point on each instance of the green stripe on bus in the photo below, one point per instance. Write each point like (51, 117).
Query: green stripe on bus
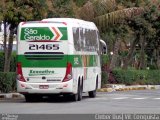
(76, 60)
(63, 30)
(43, 33)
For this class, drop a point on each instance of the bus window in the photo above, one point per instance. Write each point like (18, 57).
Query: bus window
(76, 39)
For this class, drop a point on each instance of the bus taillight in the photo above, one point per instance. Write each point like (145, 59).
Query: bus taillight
(19, 72)
(68, 75)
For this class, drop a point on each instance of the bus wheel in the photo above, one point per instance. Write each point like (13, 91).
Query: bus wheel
(32, 98)
(78, 95)
(92, 94)
(29, 98)
(74, 97)
(80, 90)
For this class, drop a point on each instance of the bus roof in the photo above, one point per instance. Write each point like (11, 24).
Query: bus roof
(73, 22)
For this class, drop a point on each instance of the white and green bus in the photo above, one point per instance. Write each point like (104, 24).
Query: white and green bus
(58, 56)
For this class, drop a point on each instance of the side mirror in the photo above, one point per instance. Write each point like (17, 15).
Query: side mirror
(103, 47)
(104, 50)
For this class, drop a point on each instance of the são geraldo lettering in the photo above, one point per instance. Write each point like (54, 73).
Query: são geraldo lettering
(32, 34)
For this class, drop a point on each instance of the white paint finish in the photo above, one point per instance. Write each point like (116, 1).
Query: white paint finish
(156, 98)
(120, 98)
(140, 98)
(67, 47)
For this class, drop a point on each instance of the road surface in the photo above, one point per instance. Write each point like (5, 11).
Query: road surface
(143, 101)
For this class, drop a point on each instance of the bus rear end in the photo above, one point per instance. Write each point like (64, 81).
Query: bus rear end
(42, 61)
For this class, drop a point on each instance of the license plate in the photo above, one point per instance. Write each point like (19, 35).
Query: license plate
(43, 86)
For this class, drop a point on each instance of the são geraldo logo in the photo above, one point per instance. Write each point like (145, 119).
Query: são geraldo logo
(40, 33)
(32, 34)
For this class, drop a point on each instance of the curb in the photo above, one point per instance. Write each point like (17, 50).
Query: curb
(2, 97)
(115, 87)
(108, 88)
(11, 96)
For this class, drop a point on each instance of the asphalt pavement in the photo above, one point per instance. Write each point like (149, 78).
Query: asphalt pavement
(142, 101)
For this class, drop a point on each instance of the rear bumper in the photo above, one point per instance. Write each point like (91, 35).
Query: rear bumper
(53, 88)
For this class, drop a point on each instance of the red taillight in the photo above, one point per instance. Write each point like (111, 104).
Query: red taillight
(19, 72)
(68, 75)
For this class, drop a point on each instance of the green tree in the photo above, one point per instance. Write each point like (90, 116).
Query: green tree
(15, 11)
(145, 34)
(108, 13)
(60, 8)
(153, 42)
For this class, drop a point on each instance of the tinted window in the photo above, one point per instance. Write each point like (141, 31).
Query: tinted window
(76, 39)
(85, 39)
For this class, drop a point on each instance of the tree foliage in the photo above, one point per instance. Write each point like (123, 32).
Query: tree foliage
(15, 11)
(135, 22)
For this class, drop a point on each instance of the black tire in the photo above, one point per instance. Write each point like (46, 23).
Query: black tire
(80, 90)
(92, 94)
(67, 97)
(32, 98)
(74, 97)
(29, 98)
(78, 95)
